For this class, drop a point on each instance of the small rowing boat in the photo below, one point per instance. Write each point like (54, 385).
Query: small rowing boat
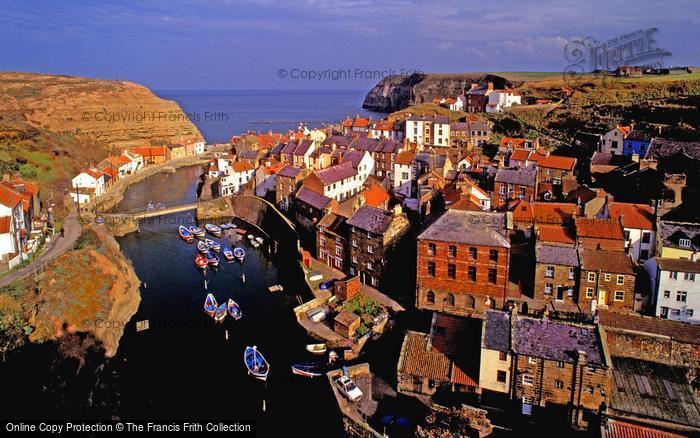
(201, 261)
(307, 369)
(240, 231)
(212, 259)
(256, 363)
(220, 314)
(210, 305)
(316, 348)
(225, 226)
(239, 253)
(185, 234)
(259, 240)
(197, 232)
(202, 247)
(254, 243)
(213, 245)
(229, 254)
(251, 237)
(275, 288)
(234, 310)
(214, 230)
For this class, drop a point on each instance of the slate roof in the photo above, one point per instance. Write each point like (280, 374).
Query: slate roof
(334, 223)
(338, 140)
(336, 173)
(678, 331)
(556, 255)
(515, 176)
(372, 219)
(497, 331)
(459, 126)
(289, 171)
(354, 157)
(316, 200)
(653, 391)
(606, 261)
(435, 119)
(660, 148)
(365, 144)
(671, 233)
(289, 147)
(303, 147)
(277, 148)
(389, 146)
(558, 341)
(469, 227)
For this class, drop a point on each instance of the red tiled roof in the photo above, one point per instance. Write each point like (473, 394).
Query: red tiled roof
(679, 331)
(347, 122)
(557, 162)
(272, 169)
(599, 228)
(384, 125)
(361, 122)
(9, 197)
(109, 171)
(517, 143)
(31, 186)
(520, 154)
(25, 195)
(417, 361)
(555, 234)
(405, 158)
(376, 195)
(93, 173)
(461, 378)
(624, 129)
(544, 212)
(5, 224)
(621, 429)
(123, 159)
(242, 166)
(638, 216)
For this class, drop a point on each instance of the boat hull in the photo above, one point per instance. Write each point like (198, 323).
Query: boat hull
(251, 357)
(305, 372)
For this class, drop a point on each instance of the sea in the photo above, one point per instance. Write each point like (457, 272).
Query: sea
(220, 114)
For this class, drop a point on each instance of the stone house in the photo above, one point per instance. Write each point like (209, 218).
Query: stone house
(346, 324)
(600, 234)
(512, 184)
(287, 182)
(331, 241)
(556, 273)
(607, 281)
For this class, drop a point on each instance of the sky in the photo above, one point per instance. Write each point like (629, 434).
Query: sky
(265, 44)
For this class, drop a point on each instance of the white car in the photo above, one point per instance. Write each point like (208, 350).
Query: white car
(348, 388)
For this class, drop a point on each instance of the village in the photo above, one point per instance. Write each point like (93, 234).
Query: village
(577, 276)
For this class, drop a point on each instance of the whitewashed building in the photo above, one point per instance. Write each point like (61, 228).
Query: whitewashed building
(233, 178)
(428, 130)
(86, 185)
(339, 182)
(638, 222)
(403, 174)
(11, 224)
(612, 142)
(499, 100)
(675, 288)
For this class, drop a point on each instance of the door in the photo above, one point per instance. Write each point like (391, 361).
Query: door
(560, 294)
(601, 298)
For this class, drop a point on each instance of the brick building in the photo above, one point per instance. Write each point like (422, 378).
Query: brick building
(555, 177)
(331, 241)
(287, 182)
(512, 184)
(463, 261)
(373, 235)
(556, 273)
(608, 279)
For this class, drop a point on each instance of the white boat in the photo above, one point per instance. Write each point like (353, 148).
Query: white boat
(254, 243)
(316, 277)
(275, 288)
(239, 253)
(316, 348)
(202, 247)
(251, 237)
(259, 240)
(214, 230)
(213, 245)
(229, 254)
(256, 363)
(234, 310)
(197, 232)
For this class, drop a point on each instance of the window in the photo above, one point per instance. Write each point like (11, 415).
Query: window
(471, 273)
(450, 300)
(322, 240)
(675, 312)
(619, 295)
(471, 302)
(354, 259)
(591, 277)
(493, 273)
(501, 376)
(589, 292)
(369, 265)
(354, 243)
(673, 275)
(620, 280)
(430, 297)
(548, 288)
(667, 294)
(369, 249)
(431, 249)
(472, 253)
(431, 269)
(502, 356)
(589, 389)
(644, 254)
(646, 237)
(572, 273)
(549, 272)
(681, 296)
(338, 250)
(375, 281)
(452, 251)
(685, 243)
(590, 369)
(532, 360)
(558, 384)
(689, 276)
(607, 277)
(493, 255)
(689, 313)
(560, 364)
(452, 271)
(527, 380)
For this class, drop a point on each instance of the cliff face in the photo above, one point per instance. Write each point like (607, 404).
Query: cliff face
(51, 126)
(394, 93)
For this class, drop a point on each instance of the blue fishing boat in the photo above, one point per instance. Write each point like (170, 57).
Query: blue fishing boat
(234, 310)
(202, 247)
(213, 245)
(197, 232)
(229, 254)
(239, 253)
(210, 305)
(256, 363)
(214, 230)
(220, 314)
(225, 226)
(185, 234)
(212, 259)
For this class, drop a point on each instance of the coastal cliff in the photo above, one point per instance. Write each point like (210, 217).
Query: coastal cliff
(397, 92)
(52, 126)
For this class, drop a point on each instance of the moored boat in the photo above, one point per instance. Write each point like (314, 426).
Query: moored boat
(225, 226)
(213, 245)
(200, 261)
(212, 259)
(214, 230)
(185, 234)
(240, 231)
(210, 305)
(316, 348)
(234, 310)
(256, 363)
(259, 240)
(197, 232)
(307, 369)
(229, 254)
(251, 237)
(220, 314)
(254, 243)
(202, 247)
(239, 253)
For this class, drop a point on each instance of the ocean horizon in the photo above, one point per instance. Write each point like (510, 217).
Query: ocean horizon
(220, 114)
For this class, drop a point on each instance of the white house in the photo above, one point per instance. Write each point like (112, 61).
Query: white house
(339, 182)
(475, 194)
(501, 99)
(403, 174)
(266, 178)
(199, 147)
(612, 142)
(675, 285)
(428, 130)
(460, 103)
(385, 129)
(362, 162)
(86, 185)
(11, 224)
(235, 177)
(135, 161)
(638, 222)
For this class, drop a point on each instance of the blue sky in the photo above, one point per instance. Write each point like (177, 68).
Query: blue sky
(242, 44)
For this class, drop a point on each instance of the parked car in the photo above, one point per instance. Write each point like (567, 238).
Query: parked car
(348, 388)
